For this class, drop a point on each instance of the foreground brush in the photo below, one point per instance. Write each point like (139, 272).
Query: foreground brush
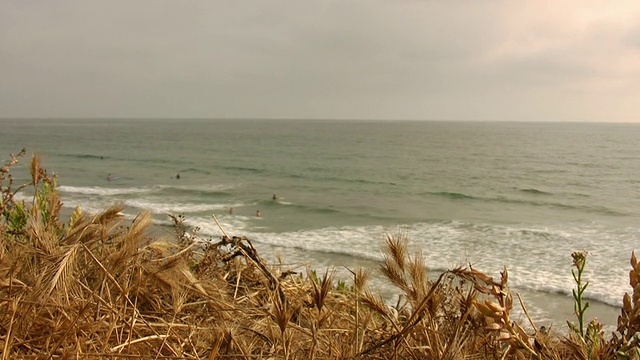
(95, 286)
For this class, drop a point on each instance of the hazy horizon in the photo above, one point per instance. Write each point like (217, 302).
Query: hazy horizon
(318, 120)
(557, 61)
(479, 121)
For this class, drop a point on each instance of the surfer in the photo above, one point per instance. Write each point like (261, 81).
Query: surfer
(178, 176)
(275, 197)
(257, 213)
(230, 210)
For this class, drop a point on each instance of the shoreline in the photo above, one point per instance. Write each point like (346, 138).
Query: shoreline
(551, 310)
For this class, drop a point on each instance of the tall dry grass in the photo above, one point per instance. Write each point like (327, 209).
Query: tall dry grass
(98, 287)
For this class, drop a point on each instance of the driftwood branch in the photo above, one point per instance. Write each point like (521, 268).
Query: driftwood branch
(246, 248)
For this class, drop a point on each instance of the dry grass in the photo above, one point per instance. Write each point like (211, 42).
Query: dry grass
(97, 287)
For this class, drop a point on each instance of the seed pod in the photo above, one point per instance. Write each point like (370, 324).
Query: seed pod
(494, 306)
(486, 311)
(482, 276)
(508, 301)
(626, 303)
(494, 326)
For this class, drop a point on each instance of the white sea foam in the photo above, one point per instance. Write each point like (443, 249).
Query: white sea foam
(532, 264)
(203, 188)
(233, 225)
(351, 241)
(164, 206)
(538, 258)
(105, 191)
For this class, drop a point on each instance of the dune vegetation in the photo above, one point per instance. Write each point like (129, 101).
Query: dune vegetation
(95, 286)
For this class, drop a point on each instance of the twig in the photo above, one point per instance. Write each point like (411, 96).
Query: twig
(526, 312)
(251, 253)
(220, 226)
(150, 337)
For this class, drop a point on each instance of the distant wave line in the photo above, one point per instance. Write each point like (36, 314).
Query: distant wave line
(105, 191)
(535, 191)
(315, 209)
(255, 170)
(504, 199)
(246, 169)
(195, 170)
(131, 160)
(344, 180)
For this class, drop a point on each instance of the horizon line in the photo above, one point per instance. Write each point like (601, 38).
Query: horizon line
(316, 119)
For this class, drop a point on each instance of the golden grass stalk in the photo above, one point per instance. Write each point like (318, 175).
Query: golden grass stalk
(35, 169)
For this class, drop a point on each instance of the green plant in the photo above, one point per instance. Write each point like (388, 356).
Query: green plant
(590, 336)
(580, 306)
(13, 217)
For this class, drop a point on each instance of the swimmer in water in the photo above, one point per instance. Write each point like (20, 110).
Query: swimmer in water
(257, 213)
(109, 177)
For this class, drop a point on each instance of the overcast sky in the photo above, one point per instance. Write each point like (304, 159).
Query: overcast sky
(403, 59)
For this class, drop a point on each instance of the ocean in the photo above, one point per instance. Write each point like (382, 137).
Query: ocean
(489, 194)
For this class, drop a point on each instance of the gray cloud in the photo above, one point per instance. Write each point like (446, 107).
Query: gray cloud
(348, 59)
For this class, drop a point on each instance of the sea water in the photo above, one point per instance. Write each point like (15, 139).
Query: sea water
(489, 194)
